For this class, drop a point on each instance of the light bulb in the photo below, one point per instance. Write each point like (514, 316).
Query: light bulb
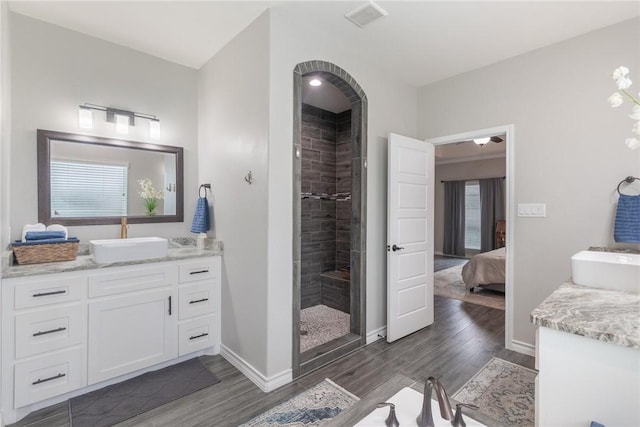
(122, 124)
(154, 129)
(85, 118)
(315, 82)
(481, 141)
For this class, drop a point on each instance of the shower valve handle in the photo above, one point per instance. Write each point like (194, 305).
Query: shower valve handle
(396, 248)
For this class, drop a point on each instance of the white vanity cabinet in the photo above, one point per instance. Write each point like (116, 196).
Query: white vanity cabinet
(65, 334)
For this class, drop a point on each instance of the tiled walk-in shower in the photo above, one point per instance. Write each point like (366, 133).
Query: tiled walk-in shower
(325, 217)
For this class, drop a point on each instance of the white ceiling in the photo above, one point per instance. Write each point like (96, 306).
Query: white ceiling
(465, 151)
(420, 41)
(326, 96)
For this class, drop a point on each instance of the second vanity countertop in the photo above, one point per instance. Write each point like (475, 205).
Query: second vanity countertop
(606, 315)
(179, 249)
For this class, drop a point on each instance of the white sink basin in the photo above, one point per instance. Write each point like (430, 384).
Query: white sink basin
(607, 270)
(119, 250)
(408, 405)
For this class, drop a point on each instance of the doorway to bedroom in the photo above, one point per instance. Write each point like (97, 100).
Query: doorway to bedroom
(470, 219)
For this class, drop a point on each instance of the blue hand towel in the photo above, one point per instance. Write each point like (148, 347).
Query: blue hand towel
(44, 235)
(201, 216)
(627, 227)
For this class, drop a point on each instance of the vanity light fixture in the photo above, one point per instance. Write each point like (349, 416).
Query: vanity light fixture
(85, 118)
(122, 119)
(154, 128)
(481, 141)
(315, 82)
(122, 124)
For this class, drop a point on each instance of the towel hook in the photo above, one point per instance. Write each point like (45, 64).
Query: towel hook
(249, 178)
(205, 186)
(627, 180)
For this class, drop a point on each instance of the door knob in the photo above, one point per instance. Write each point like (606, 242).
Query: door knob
(396, 248)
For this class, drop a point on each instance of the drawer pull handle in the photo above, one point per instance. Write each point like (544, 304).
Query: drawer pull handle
(199, 300)
(55, 377)
(204, 334)
(199, 271)
(52, 331)
(169, 306)
(46, 294)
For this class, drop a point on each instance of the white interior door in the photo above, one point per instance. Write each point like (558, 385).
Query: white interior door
(409, 236)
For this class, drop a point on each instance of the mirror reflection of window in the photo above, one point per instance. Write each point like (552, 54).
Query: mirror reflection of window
(84, 189)
(159, 167)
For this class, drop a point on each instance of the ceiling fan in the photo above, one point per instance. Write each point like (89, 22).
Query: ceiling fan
(483, 141)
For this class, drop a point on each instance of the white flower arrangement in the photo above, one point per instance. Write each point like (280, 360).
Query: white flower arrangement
(150, 195)
(621, 76)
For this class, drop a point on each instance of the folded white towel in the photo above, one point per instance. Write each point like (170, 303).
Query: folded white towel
(32, 227)
(58, 227)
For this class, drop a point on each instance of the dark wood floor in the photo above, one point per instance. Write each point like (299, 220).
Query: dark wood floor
(463, 338)
(441, 262)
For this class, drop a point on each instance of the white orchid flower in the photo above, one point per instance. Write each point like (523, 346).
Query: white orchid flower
(620, 73)
(636, 128)
(624, 83)
(616, 99)
(635, 112)
(632, 143)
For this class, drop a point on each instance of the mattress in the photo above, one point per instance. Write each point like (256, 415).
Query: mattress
(485, 269)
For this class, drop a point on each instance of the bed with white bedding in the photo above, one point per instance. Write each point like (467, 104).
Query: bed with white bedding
(486, 270)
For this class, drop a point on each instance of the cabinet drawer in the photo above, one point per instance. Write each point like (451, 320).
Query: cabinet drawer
(198, 270)
(48, 330)
(48, 376)
(195, 300)
(196, 334)
(132, 279)
(36, 293)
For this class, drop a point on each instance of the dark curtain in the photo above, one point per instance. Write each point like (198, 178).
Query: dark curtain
(454, 218)
(491, 210)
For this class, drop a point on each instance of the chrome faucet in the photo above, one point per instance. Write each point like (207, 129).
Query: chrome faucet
(425, 419)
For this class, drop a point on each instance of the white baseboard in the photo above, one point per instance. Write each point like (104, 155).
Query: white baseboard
(266, 384)
(522, 347)
(376, 334)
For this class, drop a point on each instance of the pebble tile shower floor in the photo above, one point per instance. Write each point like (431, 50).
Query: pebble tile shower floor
(320, 324)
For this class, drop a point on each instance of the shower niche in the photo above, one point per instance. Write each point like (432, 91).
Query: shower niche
(329, 215)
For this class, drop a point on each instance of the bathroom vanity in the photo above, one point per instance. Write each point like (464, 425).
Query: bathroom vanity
(588, 357)
(72, 327)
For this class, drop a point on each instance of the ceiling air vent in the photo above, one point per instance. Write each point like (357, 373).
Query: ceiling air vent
(366, 14)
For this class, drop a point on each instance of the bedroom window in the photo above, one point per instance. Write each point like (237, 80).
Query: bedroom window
(472, 215)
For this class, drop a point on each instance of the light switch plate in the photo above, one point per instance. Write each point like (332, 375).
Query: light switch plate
(532, 210)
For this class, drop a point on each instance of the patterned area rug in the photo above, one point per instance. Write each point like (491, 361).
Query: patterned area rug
(118, 402)
(504, 392)
(448, 283)
(320, 324)
(313, 407)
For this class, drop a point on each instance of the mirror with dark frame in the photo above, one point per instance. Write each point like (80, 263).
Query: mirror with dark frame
(90, 180)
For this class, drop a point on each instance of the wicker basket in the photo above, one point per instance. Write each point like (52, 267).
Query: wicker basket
(50, 252)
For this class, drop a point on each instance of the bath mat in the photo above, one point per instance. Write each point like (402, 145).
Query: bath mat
(118, 402)
(504, 392)
(313, 407)
(448, 283)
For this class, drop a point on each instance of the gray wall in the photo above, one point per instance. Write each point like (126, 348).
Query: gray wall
(53, 70)
(5, 123)
(569, 147)
(488, 168)
(391, 108)
(233, 111)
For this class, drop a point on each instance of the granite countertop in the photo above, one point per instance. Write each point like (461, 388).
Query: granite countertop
(606, 315)
(179, 249)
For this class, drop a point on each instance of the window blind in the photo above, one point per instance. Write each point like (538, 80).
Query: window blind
(80, 189)
(472, 215)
